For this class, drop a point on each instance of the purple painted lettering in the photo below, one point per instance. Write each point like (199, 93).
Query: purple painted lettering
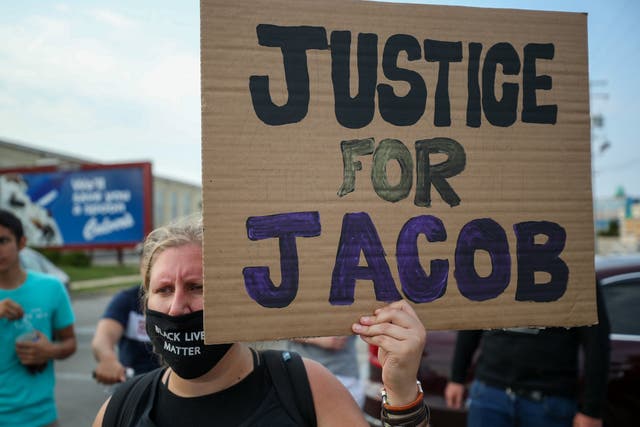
(416, 284)
(286, 227)
(360, 235)
(488, 235)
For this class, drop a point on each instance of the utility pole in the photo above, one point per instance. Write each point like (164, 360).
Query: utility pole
(599, 144)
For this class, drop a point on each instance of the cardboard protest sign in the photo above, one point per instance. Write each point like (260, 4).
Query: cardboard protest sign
(356, 153)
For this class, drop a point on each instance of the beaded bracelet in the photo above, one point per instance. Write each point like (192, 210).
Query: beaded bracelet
(413, 414)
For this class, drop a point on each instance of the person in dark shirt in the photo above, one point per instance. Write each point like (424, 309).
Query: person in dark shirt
(123, 325)
(227, 384)
(529, 377)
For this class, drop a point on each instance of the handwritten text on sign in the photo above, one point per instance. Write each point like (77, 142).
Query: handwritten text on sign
(358, 233)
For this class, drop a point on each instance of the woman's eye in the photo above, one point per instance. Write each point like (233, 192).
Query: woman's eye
(164, 290)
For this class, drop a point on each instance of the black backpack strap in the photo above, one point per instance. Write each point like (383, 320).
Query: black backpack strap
(129, 399)
(291, 382)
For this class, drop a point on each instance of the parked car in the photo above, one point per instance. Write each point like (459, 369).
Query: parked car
(30, 259)
(619, 277)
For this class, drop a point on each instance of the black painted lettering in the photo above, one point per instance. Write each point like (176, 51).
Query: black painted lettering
(531, 111)
(501, 112)
(437, 175)
(474, 109)
(444, 53)
(294, 43)
(356, 112)
(401, 110)
(545, 257)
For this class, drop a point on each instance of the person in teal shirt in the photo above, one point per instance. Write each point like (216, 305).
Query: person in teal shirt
(36, 327)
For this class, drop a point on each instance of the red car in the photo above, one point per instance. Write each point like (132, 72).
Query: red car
(619, 277)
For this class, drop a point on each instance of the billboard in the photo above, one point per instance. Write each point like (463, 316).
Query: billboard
(356, 153)
(91, 206)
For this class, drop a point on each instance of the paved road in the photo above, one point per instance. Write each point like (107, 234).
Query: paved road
(78, 396)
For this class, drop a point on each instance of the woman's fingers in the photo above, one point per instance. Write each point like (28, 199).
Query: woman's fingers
(397, 320)
(396, 329)
(400, 336)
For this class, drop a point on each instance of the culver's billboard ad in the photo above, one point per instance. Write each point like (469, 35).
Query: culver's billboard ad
(90, 206)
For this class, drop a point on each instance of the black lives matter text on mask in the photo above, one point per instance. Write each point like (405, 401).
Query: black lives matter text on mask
(196, 337)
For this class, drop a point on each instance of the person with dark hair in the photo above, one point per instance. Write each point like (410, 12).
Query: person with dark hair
(235, 385)
(36, 327)
(122, 325)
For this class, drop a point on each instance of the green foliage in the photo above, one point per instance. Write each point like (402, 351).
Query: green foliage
(62, 258)
(51, 254)
(79, 267)
(75, 259)
(612, 231)
(99, 271)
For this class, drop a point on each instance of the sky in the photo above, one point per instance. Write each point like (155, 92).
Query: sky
(119, 81)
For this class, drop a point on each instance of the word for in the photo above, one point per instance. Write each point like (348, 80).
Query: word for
(359, 236)
(358, 111)
(392, 149)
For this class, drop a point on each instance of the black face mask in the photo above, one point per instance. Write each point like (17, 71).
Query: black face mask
(180, 342)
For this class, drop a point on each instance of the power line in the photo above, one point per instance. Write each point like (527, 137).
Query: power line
(620, 166)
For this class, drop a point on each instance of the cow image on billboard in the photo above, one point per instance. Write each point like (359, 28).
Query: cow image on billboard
(40, 227)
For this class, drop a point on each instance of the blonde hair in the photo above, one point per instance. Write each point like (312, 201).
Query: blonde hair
(179, 233)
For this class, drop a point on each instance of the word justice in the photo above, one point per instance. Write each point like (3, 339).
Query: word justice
(498, 105)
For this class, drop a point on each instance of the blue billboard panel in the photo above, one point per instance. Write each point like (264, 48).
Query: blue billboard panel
(95, 206)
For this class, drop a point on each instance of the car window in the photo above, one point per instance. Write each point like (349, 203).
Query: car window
(33, 260)
(622, 300)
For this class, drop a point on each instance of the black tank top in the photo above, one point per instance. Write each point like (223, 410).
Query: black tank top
(252, 402)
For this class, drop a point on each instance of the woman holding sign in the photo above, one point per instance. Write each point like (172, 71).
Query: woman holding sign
(234, 385)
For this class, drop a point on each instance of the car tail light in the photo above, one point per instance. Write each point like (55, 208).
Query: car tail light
(373, 356)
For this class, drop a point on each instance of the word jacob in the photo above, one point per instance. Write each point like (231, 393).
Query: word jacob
(359, 236)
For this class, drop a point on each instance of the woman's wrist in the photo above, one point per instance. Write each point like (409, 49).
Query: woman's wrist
(401, 395)
(411, 414)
